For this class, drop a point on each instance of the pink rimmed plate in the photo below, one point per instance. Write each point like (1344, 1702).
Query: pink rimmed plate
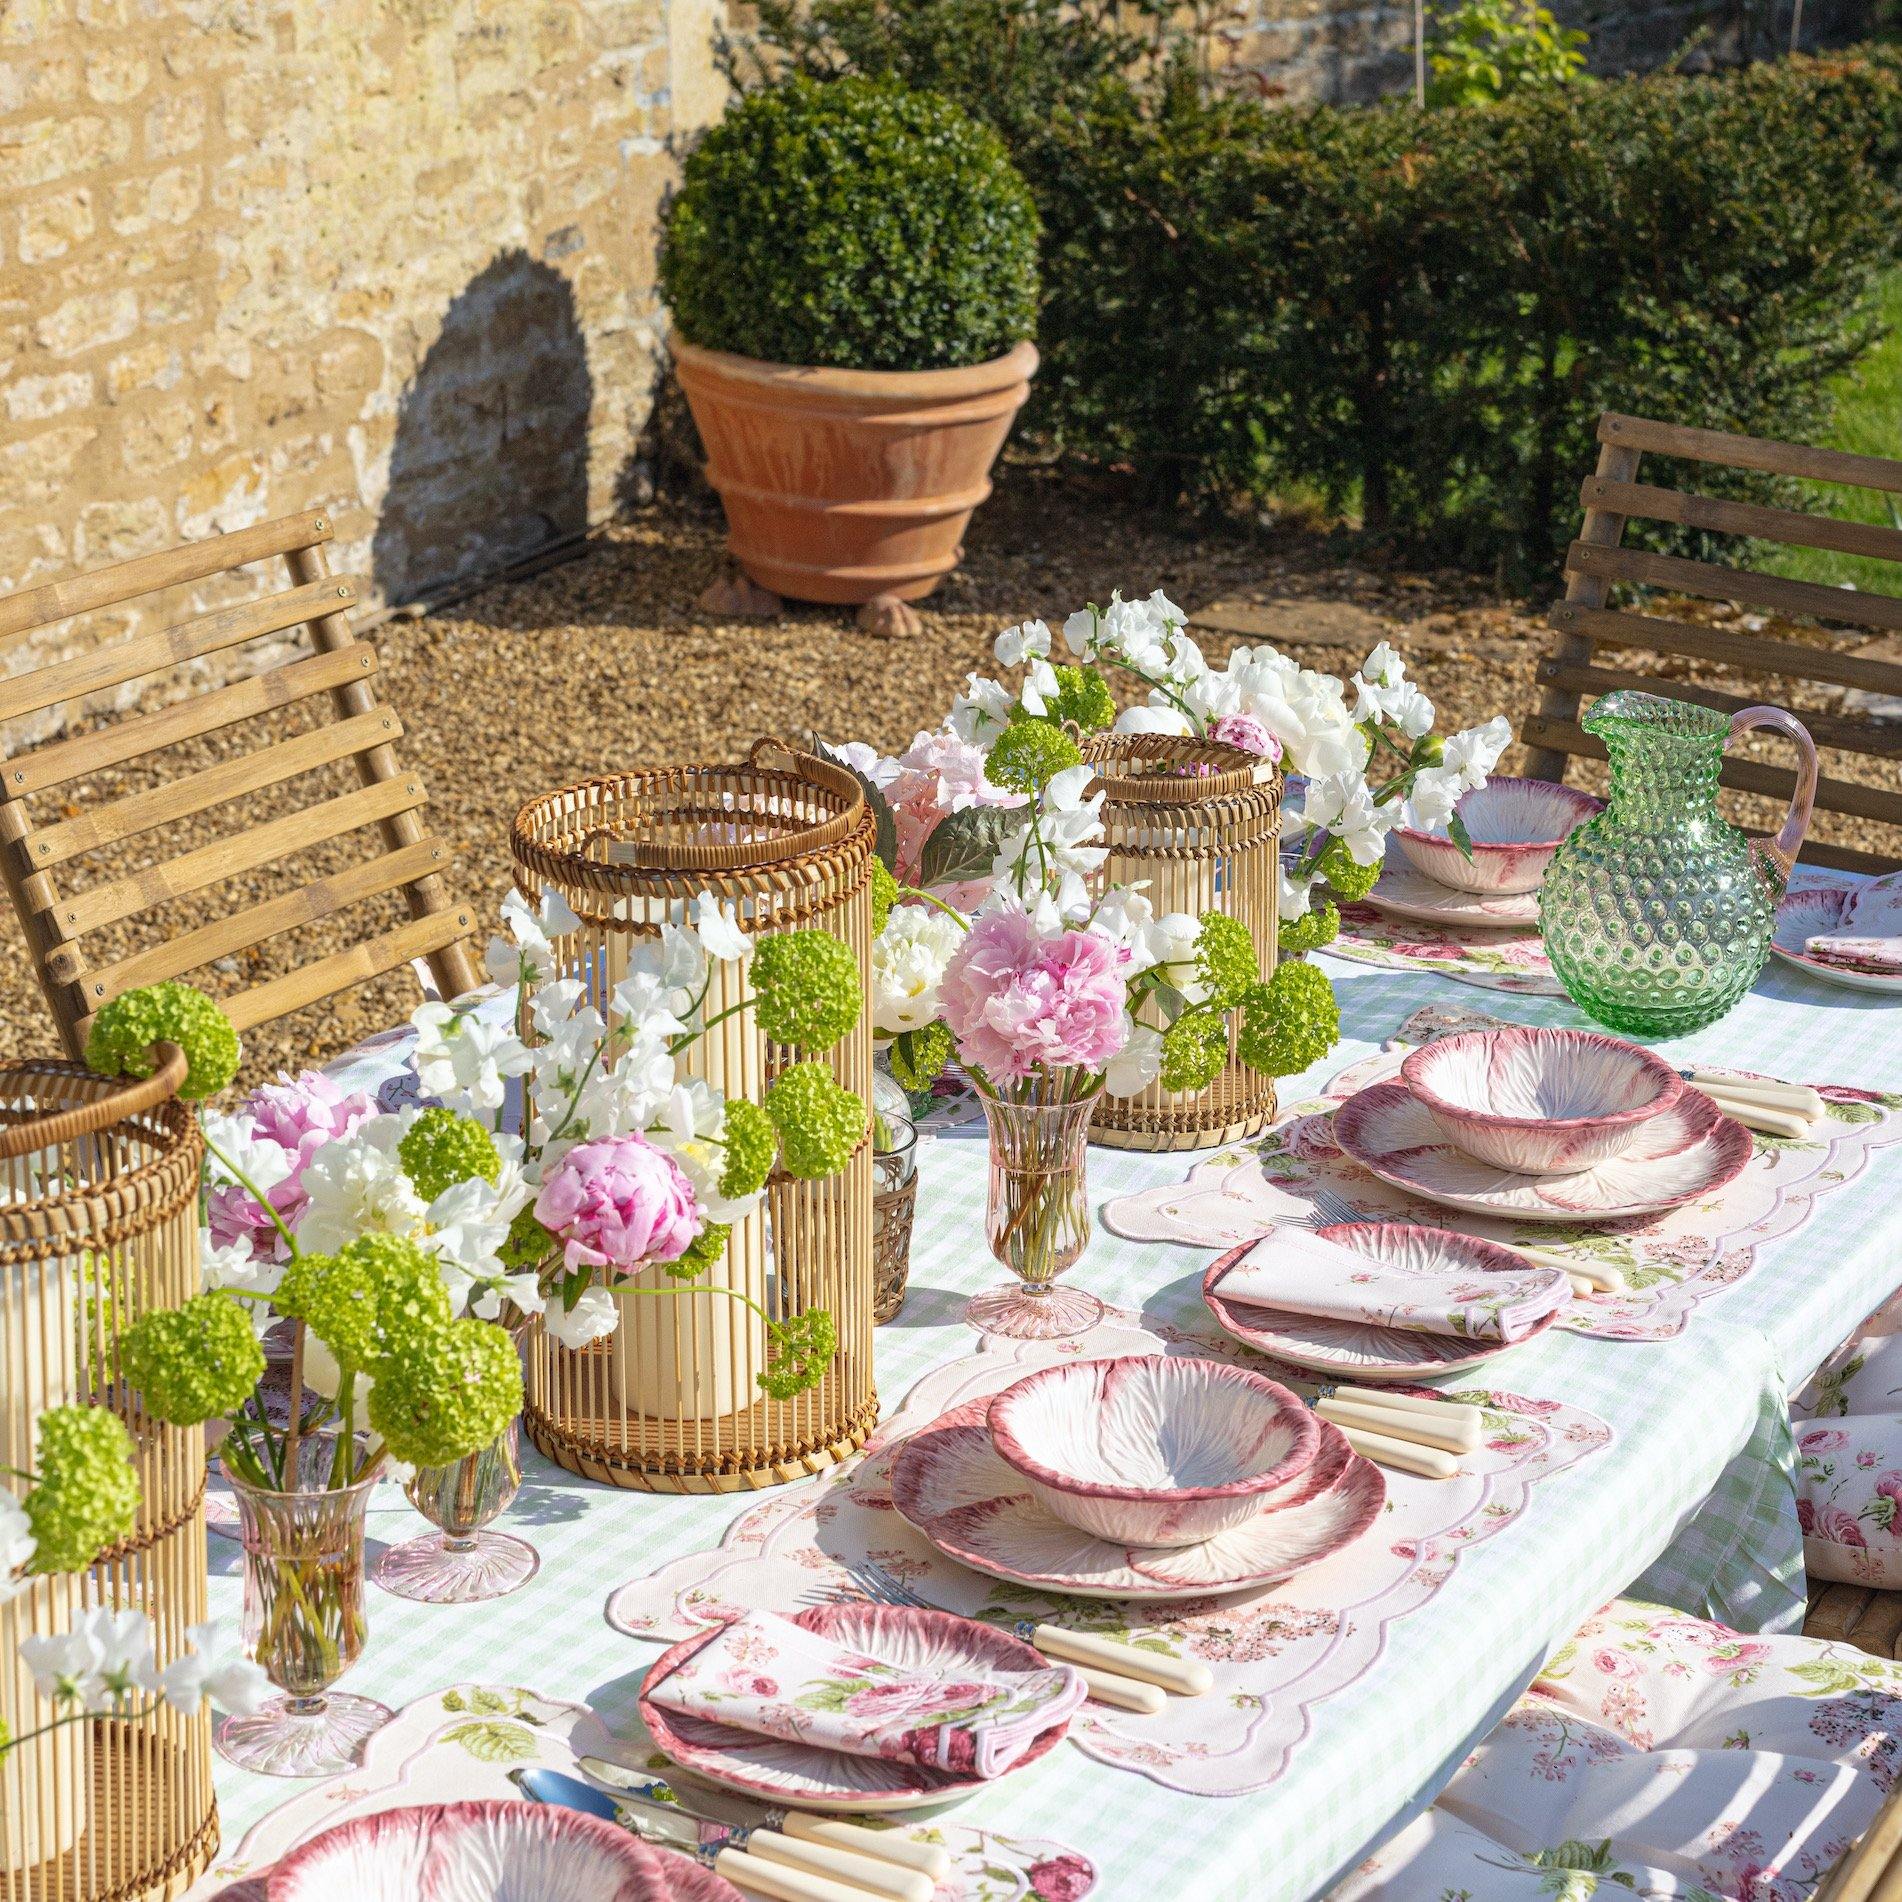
(1692, 1149)
(1407, 892)
(1805, 913)
(1363, 1350)
(800, 1776)
(949, 1483)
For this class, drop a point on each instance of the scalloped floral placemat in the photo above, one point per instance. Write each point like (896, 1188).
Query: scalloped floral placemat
(1276, 1654)
(460, 1745)
(1510, 960)
(1671, 1262)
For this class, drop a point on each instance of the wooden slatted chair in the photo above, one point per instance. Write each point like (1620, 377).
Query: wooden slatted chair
(1596, 562)
(1871, 1871)
(95, 929)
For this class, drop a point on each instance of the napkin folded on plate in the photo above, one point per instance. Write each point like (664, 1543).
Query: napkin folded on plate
(1303, 1273)
(1868, 934)
(766, 1674)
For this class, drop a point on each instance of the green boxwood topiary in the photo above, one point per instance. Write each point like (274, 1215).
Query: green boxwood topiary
(853, 224)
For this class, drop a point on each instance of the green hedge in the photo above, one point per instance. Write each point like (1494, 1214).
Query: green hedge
(1420, 315)
(854, 224)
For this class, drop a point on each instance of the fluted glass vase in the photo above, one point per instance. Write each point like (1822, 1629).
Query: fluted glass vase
(304, 1621)
(462, 1561)
(1038, 1218)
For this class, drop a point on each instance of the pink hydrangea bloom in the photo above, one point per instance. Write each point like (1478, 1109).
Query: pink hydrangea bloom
(1248, 733)
(300, 1115)
(618, 1202)
(940, 774)
(1015, 999)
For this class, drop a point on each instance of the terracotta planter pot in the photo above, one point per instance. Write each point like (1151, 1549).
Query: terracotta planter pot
(850, 486)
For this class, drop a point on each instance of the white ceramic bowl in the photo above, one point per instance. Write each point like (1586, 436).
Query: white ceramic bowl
(1515, 826)
(472, 1852)
(1540, 1102)
(1153, 1450)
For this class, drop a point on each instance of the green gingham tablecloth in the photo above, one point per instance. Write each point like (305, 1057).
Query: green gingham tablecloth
(1692, 1503)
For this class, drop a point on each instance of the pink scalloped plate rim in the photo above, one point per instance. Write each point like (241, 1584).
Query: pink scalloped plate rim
(1692, 1150)
(1407, 892)
(1815, 908)
(948, 1483)
(799, 1776)
(1320, 1346)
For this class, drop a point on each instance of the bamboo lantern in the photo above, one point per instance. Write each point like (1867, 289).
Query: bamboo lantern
(669, 1402)
(1190, 821)
(98, 1225)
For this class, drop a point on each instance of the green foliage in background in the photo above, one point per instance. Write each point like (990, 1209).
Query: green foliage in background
(1484, 50)
(852, 224)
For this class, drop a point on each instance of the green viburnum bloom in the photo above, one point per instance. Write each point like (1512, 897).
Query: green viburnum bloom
(87, 1495)
(808, 990)
(1289, 1022)
(799, 1352)
(124, 1032)
(190, 1364)
(751, 1144)
(1194, 1048)
(884, 895)
(1225, 958)
(1350, 882)
(1082, 698)
(442, 1148)
(445, 1394)
(819, 1122)
(1028, 754)
(378, 1296)
(919, 1056)
(1319, 925)
(528, 1245)
(700, 1254)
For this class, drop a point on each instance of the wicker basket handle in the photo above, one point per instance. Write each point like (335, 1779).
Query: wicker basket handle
(63, 1126)
(771, 742)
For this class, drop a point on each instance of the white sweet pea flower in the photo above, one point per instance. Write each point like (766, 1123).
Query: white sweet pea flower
(908, 964)
(981, 711)
(1172, 949)
(464, 1060)
(592, 1318)
(1040, 688)
(880, 768)
(554, 1003)
(1361, 825)
(323, 1376)
(1137, 1064)
(1435, 794)
(1293, 898)
(1056, 840)
(1474, 753)
(263, 1164)
(1124, 917)
(96, 1665)
(531, 955)
(357, 1186)
(1410, 710)
(216, 1667)
(1383, 666)
(1163, 719)
(1029, 640)
(17, 1546)
(1079, 632)
(719, 928)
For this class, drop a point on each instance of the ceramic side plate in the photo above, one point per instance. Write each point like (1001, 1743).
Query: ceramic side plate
(457, 1852)
(1541, 1102)
(1515, 826)
(1152, 1449)
(931, 1643)
(1691, 1150)
(1807, 911)
(1407, 892)
(1363, 1350)
(948, 1481)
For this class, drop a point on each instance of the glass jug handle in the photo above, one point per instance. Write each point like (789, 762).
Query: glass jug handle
(1782, 850)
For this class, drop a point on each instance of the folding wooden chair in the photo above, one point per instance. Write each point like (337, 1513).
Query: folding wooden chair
(97, 928)
(1596, 562)
(1871, 1869)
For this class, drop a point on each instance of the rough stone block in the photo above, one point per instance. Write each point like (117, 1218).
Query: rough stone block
(86, 322)
(31, 399)
(115, 531)
(51, 227)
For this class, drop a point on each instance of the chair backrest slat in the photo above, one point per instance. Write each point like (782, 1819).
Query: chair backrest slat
(1588, 623)
(64, 868)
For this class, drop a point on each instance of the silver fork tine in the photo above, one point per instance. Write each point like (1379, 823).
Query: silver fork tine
(1333, 1209)
(880, 1585)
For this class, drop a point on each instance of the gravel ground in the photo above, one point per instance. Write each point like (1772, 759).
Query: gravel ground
(603, 663)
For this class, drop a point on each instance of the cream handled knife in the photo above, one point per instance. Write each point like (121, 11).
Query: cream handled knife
(1794, 1099)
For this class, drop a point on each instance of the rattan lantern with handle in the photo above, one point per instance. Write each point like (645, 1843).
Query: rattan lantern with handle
(669, 1402)
(1196, 823)
(99, 1225)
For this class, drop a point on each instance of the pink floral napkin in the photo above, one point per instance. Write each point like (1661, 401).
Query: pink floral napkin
(1302, 1273)
(768, 1675)
(1868, 934)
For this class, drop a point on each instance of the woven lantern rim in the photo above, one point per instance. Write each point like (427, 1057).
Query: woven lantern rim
(1233, 771)
(550, 833)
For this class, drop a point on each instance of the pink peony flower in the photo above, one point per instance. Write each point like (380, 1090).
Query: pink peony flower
(618, 1202)
(1837, 1526)
(1245, 731)
(300, 1115)
(1822, 1440)
(1015, 999)
(1060, 1879)
(1614, 1663)
(940, 774)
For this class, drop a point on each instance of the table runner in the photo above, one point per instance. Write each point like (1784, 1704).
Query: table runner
(1694, 1493)
(1276, 1654)
(1671, 1263)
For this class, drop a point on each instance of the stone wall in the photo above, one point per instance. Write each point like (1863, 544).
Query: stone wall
(1352, 50)
(393, 257)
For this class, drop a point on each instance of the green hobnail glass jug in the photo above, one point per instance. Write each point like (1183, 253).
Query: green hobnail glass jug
(1657, 913)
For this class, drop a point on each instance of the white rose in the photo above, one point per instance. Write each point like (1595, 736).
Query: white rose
(908, 964)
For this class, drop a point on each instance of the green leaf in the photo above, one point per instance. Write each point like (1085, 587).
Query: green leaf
(831, 1695)
(1456, 831)
(965, 844)
(493, 1742)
